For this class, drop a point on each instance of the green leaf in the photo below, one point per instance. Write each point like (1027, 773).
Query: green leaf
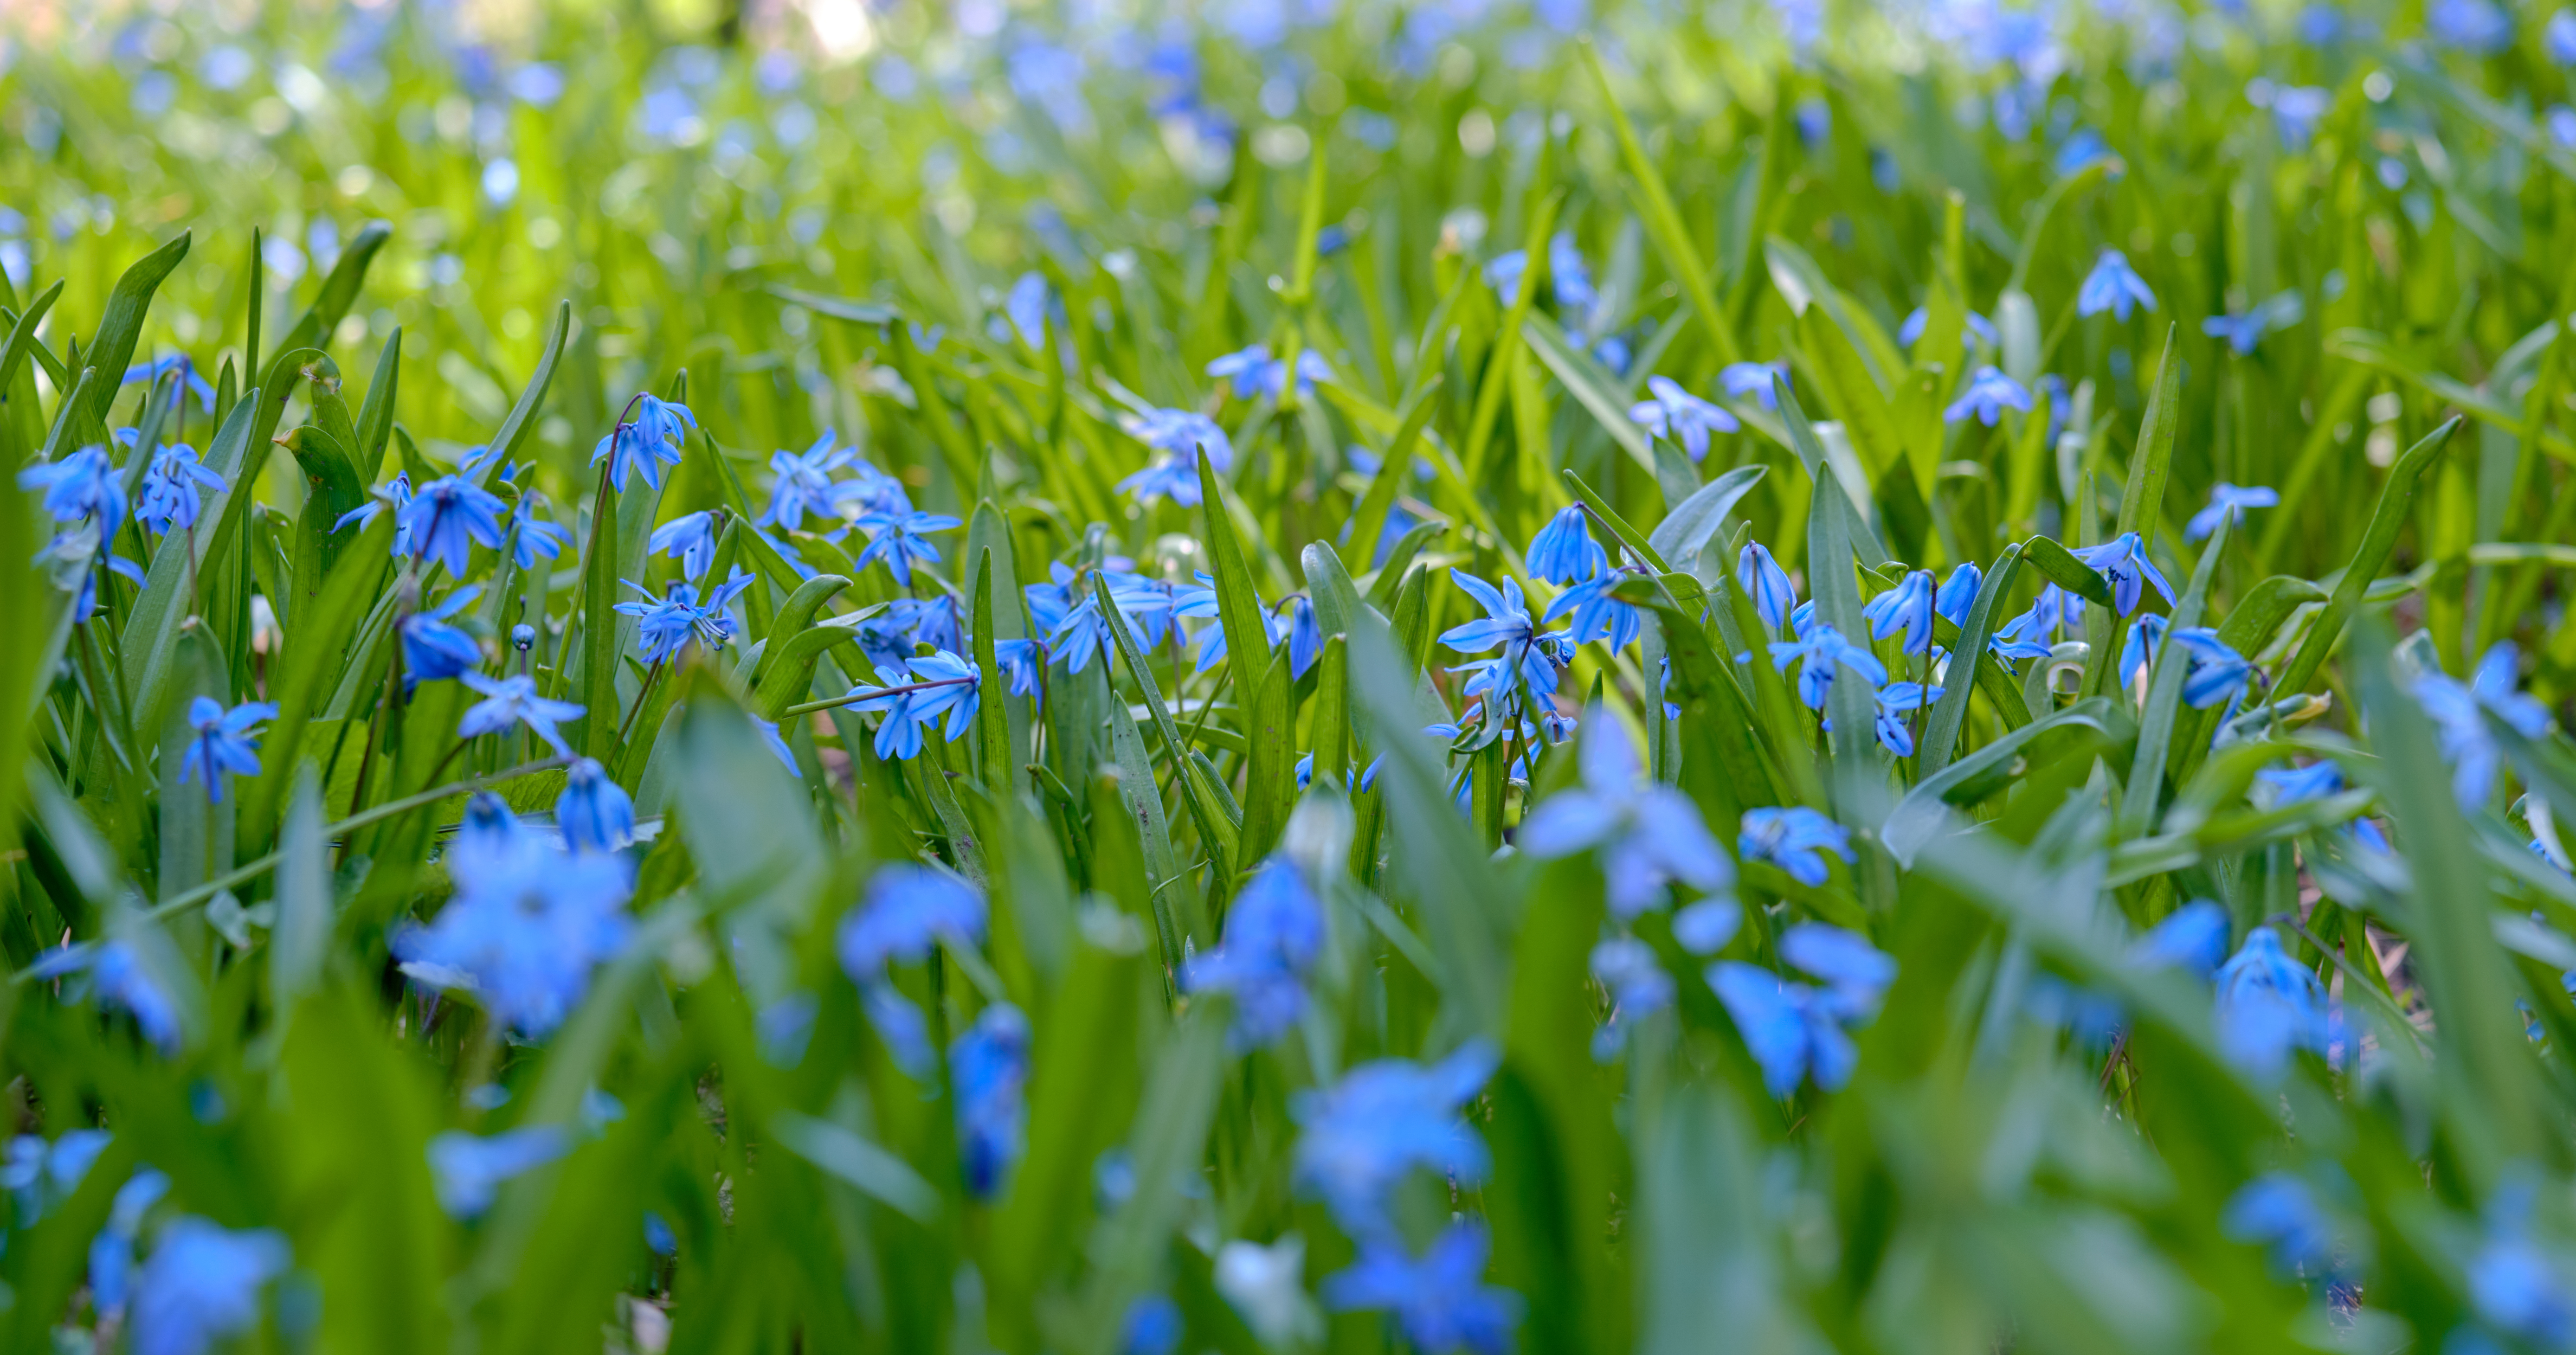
(2138, 805)
(1270, 771)
(1941, 733)
(112, 348)
(1216, 834)
(2052, 558)
(883, 1176)
(1687, 529)
(2142, 503)
(522, 418)
(339, 292)
(1663, 220)
(1591, 385)
(2396, 497)
(376, 416)
(312, 664)
(1247, 635)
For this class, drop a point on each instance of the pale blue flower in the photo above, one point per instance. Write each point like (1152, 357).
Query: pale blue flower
(2268, 1006)
(1274, 931)
(226, 742)
(1439, 1300)
(646, 443)
(173, 489)
(689, 538)
(2138, 648)
(804, 484)
(514, 700)
(81, 486)
(2123, 564)
(2558, 38)
(908, 909)
(1894, 702)
(1819, 650)
(1564, 551)
(1906, 609)
(1752, 380)
(527, 926)
(1365, 1133)
(2227, 503)
(1766, 583)
(1681, 416)
(1973, 329)
(448, 517)
(1506, 623)
(2296, 111)
(533, 538)
(669, 624)
(2281, 1214)
(1597, 615)
(2113, 286)
(1988, 395)
(2459, 710)
(202, 1286)
(1786, 1026)
(1793, 839)
(1958, 594)
(593, 811)
(897, 540)
(467, 1169)
(940, 684)
(988, 1070)
(1650, 834)
(2217, 673)
(1252, 371)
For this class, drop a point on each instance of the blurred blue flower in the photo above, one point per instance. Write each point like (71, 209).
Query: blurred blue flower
(2217, 673)
(225, 744)
(2459, 713)
(2227, 503)
(1252, 371)
(1681, 416)
(1907, 608)
(78, 487)
(658, 1237)
(111, 1253)
(1752, 380)
(202, 1285)
(526, 926)
(2268, 1006)
(593, 811)
(1988, 395)
(1818, 650)
(1274, 931)
(2514, 1285)
(2113, 286)
(2477, 27)
(1364, 1133)
(2558, 38)
(940, 684)
(689, 538)
(447, 517)
(1792, 839)
(908, 909)
(1651, 835)
(533, 538)
(1440, 1300)
(1975, 328)
(897, 540)
(2279, 786)
(649, 441)
(172, 488)
(2296, 110)
(1767, 583)
(40, 1175)
(1564, 551)
(1786, 1027)
(1627, 969)
(1856, 973)
(468, 1169)
(988, 1068)
(1597, 615)
(1152, 1327)
(2281, 1214)
(514, 700)
(190, 379)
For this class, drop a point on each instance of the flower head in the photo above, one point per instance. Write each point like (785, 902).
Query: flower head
(1507, 624)
(1252, 371)
(988, 1067)
(468, 1169)
(172, 489)
(1792, 839)
(433, 650)
(896, 538)
(1273, 934)
(908, 909)
(1439, 1299)
(1787, 1027)
(2227, 503)
(527, 925)
(448, 517)
(2113, 286)
(514, 700)
(689, 538)
(1564, 551)
(78, 487)
(1766, 583)
(666, 626)
(941, 683)
(1651, 835)
(1973, 329)
(1907, 608)
(1752, 380)
(2123, 564)
(1988, 395)
(1819, 650)
(202, 1285)
(2459, 712)
(226, 742)
(2268, 1006)
(1365, 1132)
(594, 812)
(645, 444)
(1597, 614)
(804, 484)
(1677, 414)
(2192, 938)
(2281, 1213)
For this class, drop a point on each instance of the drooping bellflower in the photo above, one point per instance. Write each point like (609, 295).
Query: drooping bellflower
(594, 812)
(1362, 1135)
(645, 444)
(1752, 381)
(202, 1285)
(689, 538)
(1988, 395)
(433, 650)
(2192, 938)
(1440, 1299)
(2268, 1006)
(1675, 413)
(2123, 564)
(448, 517)
(1273, 934)
(514, 700)
(173, 490)
(1907, 608)
(2113, 286)
(1766, 583)
(226, 742)
(988, 1070)
(1792, 838)
(2227, 503)
(1564, 552)
(1958, 594)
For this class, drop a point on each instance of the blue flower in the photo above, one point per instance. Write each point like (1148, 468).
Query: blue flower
(988, 1068)
(2113, 286)
(468, 1169)
(533, 538)
(1894, 701)
(1564, 551)
(2558, 38)
(1752, 380)
(172, 488)
(1366, 1132)
(666, 626)
(202, 1285)
(1273, 933)
(447, 517)
(908, 909)
(225, 744)
(2268, 1005)
(2227, 503)
(2474, 26)
(1792, 839)
(433, 650)
(514, 700)
(896, 538)
(1164, 478)
(658, 1237)
(1180, 435)
(1767, 583)
(1818, 650)
(1627, 969)
(1973, 329)
(2281, 1214)
(646, 443)
(1958, 595)
(1651, 835)
(1597, 615)
(2513, 1284)
(689, 538)
(1440, 1300)
(1786, 1026)
(1988, 395)
(1907, 608)
(1252, 371)
(394, 494)
(2139, 647)
(83, 486)
(804, 484)
(2217, 673)
(2459, 710)
(1506, 623)
(1677, 414)
(1152, 1327)
(111, 1253)
(940, 684)
(593, 811)
(1856, 973)
(42, 1175)
(870, 491)
(2123, 564)
(2279, 786)
(2243, 332)
(526, 926)
(189, 377)
(2295, 112)
(2192, 938)
(1024, 663)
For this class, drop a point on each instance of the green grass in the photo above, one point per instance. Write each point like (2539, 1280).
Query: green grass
(810, 249)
